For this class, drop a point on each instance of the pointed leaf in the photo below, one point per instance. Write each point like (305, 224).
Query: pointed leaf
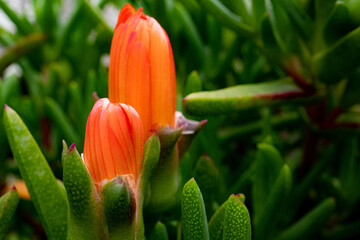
(310, 223)
(8, 204)
(268, 164)
(44, 190)
(237, 224)
(226, 17)
(207, 177)
(216, 223)
(267, 220)
(84, 221)
(243, 97)
(58, 116)
(159, 232)
(336, 62)
(193, 215)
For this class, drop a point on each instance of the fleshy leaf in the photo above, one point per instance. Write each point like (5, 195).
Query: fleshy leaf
(311, 222)
(336, 62)
(265, 222)
(237, 224)
(45, 192)
(207, 177)
(226, 17)
(193, 215)
(119, 207)
(84, 220)
(159, 232)
(243, 97)
(216, 223)
(268, 165)
(8, 204)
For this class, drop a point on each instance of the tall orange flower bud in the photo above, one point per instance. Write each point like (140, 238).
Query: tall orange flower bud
(142, 71)
(114, 141)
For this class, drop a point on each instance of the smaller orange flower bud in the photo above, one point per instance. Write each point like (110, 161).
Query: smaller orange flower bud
(114, 141)
(142, 70)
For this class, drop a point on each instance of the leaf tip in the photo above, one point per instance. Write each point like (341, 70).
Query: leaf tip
(72, 147)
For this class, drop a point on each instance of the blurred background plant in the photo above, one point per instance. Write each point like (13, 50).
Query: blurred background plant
(284, 129)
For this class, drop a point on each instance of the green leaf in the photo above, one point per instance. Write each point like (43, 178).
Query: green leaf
(207, 177)
(243, 97)
(119, 207)
(23, 26)
(258, 7)
(159, 232)
(338, 23)
(226, 17)
(268, 164)
(191, 32)
(193, 215)
(150, 161)
(84, 220)
(264, 224)
(22, 47)
(336, 62)
(44, 190)
(216, 223)
(299, 17)
(193, 83)
(237, 224)
(57, 115)
(310, 223)
(8, 204)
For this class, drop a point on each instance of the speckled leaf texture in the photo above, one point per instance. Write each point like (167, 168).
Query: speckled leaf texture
(8, 205)
(84, 214)
(237, 224)
(46, 194)
(194, 221)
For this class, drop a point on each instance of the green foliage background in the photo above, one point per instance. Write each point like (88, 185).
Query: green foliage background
(284, 132)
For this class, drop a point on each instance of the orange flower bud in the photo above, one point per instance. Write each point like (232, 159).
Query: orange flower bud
(114, 141)
(142, 71)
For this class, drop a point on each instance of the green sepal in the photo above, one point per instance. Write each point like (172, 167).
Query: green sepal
(84, 219)
(336, 62)
(46, 194)
(8, 204)
(159, 232)
(265, 222)
(216, 223)
(193, 214)
(150, 161)
(237, 224)
(268, 164)
(119, 207)
(165, 181)
(207, 177)
(244, 97)
(310, 223)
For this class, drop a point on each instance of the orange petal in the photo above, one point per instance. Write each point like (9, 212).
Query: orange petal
(114, 141)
